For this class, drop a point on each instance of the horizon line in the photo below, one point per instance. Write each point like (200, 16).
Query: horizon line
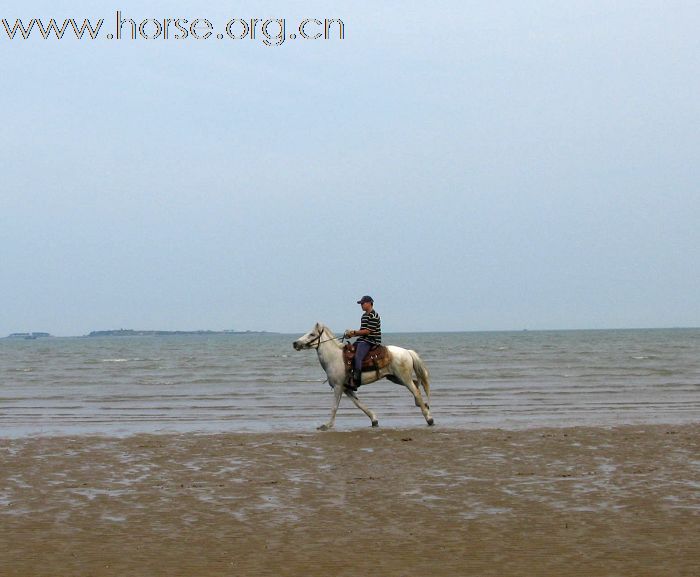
(204, 332)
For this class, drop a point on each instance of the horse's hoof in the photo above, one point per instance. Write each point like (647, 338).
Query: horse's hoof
(431, 422)
(322, 428)
(375, 423)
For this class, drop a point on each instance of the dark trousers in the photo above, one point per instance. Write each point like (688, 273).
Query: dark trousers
(361, 350)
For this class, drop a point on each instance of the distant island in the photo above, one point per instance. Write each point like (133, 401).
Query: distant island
(133, 333)
(28, 336)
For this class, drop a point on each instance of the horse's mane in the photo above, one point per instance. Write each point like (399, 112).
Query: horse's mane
(331, 335)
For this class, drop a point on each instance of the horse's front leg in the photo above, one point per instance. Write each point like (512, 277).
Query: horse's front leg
(365, 410)
(337, 394)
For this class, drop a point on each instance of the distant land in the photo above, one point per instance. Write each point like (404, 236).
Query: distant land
(133, 333)
(28, 336)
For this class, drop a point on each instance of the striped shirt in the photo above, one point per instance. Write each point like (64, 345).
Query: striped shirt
(370, 320)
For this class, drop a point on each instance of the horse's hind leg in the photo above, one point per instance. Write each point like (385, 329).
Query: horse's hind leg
(416, 383)
(365, 410)
(408, 382)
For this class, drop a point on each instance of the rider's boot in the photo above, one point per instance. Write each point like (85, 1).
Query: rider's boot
(353, 380)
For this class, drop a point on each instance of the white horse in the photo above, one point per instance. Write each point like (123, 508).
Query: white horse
(403, 363)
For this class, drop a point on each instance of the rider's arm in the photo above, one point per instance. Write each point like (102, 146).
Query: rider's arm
(360, 333)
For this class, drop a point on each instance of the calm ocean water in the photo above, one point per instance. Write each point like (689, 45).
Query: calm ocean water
(258, 383)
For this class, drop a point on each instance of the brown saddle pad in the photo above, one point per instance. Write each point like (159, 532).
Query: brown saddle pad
(377, 358)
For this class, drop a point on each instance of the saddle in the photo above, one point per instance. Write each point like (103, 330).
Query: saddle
(377, 358)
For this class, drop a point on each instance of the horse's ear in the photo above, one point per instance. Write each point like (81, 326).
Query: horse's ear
(318, 326)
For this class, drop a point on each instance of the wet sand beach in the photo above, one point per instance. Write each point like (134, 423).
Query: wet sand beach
(566, 502)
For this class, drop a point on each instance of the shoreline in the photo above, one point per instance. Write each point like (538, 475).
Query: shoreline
(310, 430)
(619, 500)
(348, 423)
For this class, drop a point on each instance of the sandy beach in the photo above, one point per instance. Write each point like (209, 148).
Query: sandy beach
(579, 501)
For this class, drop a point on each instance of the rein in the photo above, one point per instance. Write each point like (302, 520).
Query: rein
(320, 342)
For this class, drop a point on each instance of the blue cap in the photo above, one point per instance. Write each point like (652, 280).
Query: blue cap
(365, 299)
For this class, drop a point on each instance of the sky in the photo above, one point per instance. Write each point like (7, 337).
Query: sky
(471, 165)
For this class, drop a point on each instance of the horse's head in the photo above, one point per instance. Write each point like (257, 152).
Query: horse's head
(310, 340)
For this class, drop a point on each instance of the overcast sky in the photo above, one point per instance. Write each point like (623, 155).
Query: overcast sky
(471, 165)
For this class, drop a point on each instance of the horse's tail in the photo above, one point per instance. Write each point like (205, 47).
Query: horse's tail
(422, 373)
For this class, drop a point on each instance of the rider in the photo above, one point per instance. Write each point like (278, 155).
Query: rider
(370, 335)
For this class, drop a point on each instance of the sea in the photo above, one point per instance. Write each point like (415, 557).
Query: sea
(252, 382)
